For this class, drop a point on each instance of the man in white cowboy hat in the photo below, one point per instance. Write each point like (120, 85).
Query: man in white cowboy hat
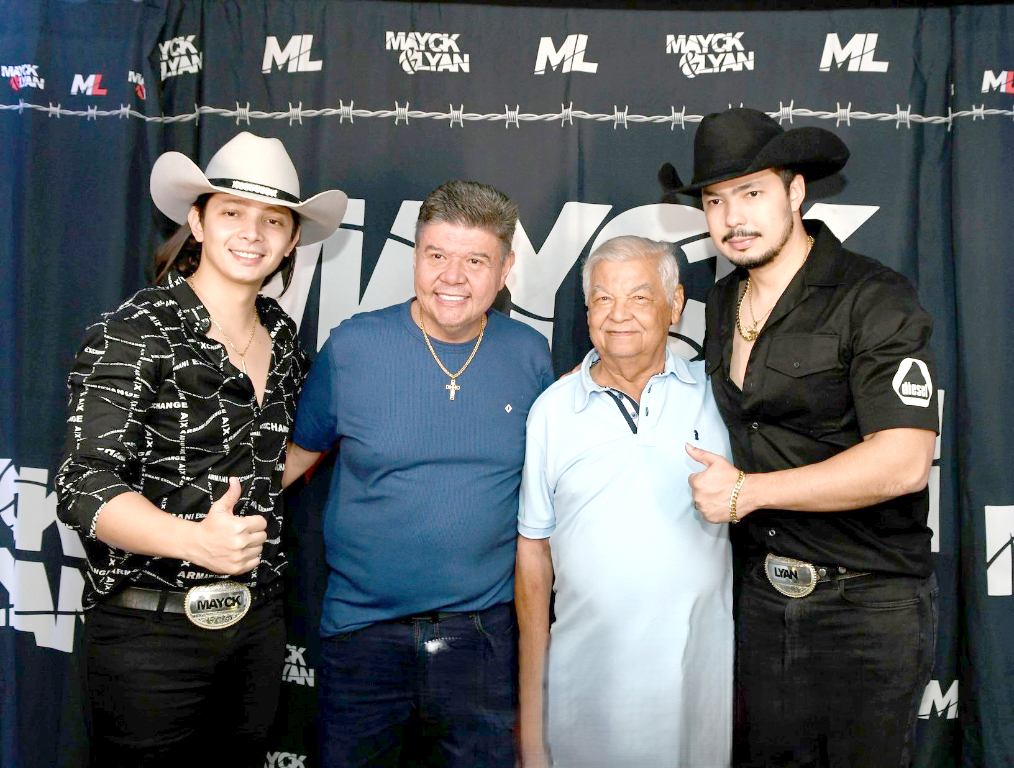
(426, 404)
(181, 401)
(820, 365)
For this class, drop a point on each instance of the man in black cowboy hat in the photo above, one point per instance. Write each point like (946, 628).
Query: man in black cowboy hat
(820, 366)
(181, 401)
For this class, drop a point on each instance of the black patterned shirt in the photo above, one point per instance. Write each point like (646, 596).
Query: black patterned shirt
(156, 407)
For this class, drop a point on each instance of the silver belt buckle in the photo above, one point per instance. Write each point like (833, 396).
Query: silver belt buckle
(218, 605)
(793, 578)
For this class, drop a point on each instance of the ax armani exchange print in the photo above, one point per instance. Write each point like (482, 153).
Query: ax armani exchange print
(156, 407)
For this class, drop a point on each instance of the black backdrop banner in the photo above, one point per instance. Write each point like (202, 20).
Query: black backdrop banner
(571, 112)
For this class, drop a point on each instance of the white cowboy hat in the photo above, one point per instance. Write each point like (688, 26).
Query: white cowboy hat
(247, 166)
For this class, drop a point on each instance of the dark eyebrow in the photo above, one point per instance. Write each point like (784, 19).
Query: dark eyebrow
(739, 188)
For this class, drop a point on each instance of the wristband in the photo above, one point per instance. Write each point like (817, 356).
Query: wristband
(735, 497)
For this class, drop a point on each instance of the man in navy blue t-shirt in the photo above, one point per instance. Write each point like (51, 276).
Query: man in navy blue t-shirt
(426, 403)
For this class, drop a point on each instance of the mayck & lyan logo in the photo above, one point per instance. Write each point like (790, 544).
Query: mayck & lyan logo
(708, 54)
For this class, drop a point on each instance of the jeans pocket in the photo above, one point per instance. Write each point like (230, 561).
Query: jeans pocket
(110, 625)
(498, 621)
(881, 593)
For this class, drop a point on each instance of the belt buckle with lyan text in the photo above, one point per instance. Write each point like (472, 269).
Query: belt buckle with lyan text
(218, 605)
(793, 578)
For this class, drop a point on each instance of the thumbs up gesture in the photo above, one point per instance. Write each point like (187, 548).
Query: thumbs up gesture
(225, 543)
(712, 487)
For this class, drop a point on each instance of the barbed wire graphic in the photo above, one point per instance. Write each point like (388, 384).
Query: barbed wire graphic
(509, 117)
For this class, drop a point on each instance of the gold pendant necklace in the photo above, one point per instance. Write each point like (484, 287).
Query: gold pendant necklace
(253, 330)
(752, 332)
(453, 386)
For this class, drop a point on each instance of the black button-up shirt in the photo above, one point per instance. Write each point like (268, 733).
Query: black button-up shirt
(156, 407)
(844, 353)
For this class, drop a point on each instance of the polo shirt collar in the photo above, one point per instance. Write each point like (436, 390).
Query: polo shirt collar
(674, 366)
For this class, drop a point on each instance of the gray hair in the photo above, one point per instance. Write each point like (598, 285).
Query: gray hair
(631, 248)
(471, 204)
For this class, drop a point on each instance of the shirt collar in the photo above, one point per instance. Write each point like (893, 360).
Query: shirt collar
(824, 266)
(674, 365)
(193, 311)
(196, 315)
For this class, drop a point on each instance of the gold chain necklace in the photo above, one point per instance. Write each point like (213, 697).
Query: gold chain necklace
(453, 386)
(751, 333)
(253, 330)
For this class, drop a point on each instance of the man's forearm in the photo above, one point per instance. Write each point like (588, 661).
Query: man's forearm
(132, 523)
(297, 462)
(886, 465)
(533, 585)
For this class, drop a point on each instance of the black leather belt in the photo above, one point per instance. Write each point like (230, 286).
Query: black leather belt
(798, 578)
(431, 616)
(170, 601)
(436, 616)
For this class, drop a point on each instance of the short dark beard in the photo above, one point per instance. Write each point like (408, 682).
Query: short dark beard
(768, 256)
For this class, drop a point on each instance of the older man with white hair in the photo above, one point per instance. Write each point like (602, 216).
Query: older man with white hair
(637, 668)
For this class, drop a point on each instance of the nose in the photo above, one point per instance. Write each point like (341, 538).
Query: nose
(453, 272)
(734, 214)
(251, 228)
(619, 311)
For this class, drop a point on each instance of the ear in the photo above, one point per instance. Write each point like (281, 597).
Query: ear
(194, 220)
(797, 192)
(507, 264)
(678, 302)
(294, 241)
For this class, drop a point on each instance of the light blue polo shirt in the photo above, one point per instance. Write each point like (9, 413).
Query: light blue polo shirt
(641, 652)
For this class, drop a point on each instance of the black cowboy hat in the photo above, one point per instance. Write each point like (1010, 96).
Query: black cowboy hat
(741, 141)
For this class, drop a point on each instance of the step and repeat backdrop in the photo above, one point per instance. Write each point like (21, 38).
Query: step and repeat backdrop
(571, 112)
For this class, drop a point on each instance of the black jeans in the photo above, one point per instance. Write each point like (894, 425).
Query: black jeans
(835, 678)
(163, 692)
(419, 692)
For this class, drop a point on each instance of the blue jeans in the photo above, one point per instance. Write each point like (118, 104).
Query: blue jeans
(835, 678)
(425, 692)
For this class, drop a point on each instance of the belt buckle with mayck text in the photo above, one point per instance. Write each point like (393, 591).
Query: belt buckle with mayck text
(218, 605)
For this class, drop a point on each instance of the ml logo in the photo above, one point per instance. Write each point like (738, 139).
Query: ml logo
(89, 86)
(999, 536)
(858, 53)
(570, 55)
(1002, 82)
(296, 54)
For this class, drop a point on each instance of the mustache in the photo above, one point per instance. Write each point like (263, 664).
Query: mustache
(739, 233)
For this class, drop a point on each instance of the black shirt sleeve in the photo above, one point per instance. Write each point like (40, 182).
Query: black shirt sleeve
(892, 374)
(113, 382)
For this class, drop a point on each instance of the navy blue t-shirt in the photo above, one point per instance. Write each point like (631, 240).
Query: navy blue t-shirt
(423, 504)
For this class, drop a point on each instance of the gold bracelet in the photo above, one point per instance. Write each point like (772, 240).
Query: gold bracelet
(735, 497)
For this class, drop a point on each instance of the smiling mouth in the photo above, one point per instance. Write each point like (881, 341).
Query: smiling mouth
(449, 298)
(250, 255)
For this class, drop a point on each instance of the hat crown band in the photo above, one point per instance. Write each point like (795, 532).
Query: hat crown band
(258, 189)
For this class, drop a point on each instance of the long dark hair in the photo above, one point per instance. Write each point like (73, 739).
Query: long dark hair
(183, 252)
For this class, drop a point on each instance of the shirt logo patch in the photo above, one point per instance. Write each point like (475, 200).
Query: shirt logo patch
(508, 408)
(912, 383)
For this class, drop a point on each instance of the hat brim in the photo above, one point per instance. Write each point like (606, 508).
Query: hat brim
(177, 182)
(813, 152)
